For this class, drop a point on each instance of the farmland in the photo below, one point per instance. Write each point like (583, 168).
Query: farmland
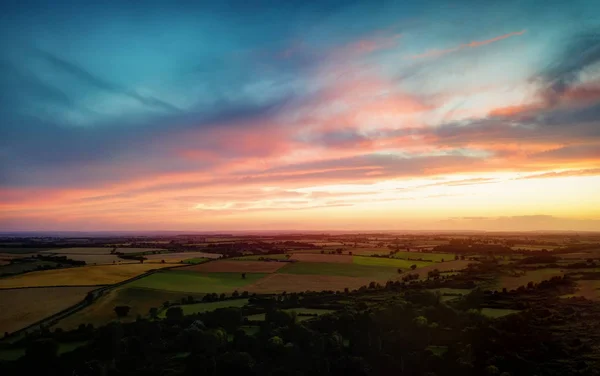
(80, 276)
(388, 262)
(189, 309)
(279, 283)
(175, 257)
(315, 257)
(196, 282)
(341, 269)
(21, 307)
(236, 267)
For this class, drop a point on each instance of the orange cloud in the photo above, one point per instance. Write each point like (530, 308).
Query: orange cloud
(473, 44)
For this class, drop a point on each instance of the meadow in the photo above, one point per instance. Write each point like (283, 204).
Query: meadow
(512, 283)
(435, 257)
(79, 276)
(228, 266)
(196, 282)
(190, 309)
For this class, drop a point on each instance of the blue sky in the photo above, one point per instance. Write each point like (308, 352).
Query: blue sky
(118, 99)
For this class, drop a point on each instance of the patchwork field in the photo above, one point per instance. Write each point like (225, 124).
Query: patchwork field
(441, 266)
(232, 266)
(278, 283)
(102, 311)
(317, 257)
(22, 307)
(79, 276)
(196, 282)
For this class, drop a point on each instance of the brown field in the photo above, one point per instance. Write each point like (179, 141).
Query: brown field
(102, 311)
(81, 276)
(535, 276)
(441, 266)
(317, 257)
(180, 256)
(580, 255)
(589, 289)
(22, 307)
(278, 283)
(226, 266)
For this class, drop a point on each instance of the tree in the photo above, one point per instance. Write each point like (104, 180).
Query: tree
(399, 271)
(122, 311)
(245, 294)
(153, 312)
(235, 294)
(174, 313)
(243, 275)
(413, 267)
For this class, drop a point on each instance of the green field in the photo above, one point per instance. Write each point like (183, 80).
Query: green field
(388, 262)
(436, 257)
(190, 309)
(196, 260)
(310, 311)
(340, 269)
(280, 256)
(494, 313)
(16, 353)
(195, 282)
(22, 267)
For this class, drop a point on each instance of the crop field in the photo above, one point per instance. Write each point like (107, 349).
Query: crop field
(227, 266)
(280, 256)
(495, 313)
(22, 307)
(436, 257)
(22, 267)
(440, 266)
(97, 259)
(535, 276)
(176, 257)
(195, 260)
(102, 311)
(79, 276)
(278, 283)
(99, 250)
(190, 309)
(195, 282)
(388, 262)
(317, 257)
(19, 250)
(372, 273)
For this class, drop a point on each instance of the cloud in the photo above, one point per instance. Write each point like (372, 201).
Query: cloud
(473, 44)
(567, 173)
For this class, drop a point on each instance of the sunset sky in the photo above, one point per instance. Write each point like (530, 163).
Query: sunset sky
(285, 115)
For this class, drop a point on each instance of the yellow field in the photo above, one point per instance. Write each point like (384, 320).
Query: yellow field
(82, 276)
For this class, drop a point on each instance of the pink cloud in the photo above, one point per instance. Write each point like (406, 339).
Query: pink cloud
(473, 44)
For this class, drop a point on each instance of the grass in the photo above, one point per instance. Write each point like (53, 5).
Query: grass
(340, 269)
(196, 282)
(190, 309)
(535, 276)
(311, 311)
(435, 257)
(16, 353)
(438, 350)
(196, 260)
(388, 262)
(495, 313)
(280, 256)
(79, 276)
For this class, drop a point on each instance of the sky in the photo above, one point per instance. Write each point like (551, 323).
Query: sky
(300, 115)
